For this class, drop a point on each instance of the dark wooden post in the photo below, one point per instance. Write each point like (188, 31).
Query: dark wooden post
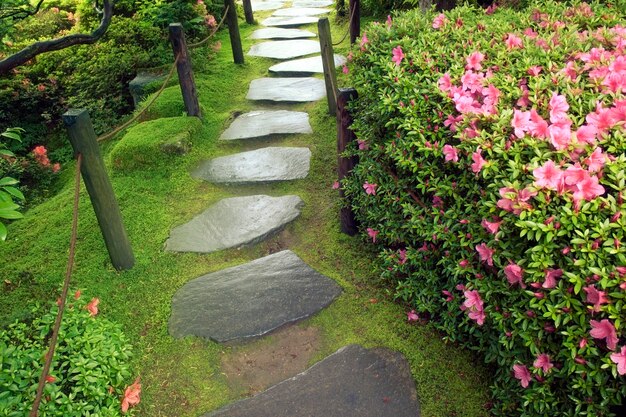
(233, 31)
(355, 21)
(83, 139)
(247, 11)
(328, 62)
(185, 73)
(345, 165)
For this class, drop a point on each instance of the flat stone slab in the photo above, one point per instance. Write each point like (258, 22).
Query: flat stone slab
(304, 66)
(352, 382)
(262, 165)
(250, 300)
(281, 33)
(234, 222)
(259, 123)
(312, 3)
(289, 21)
(285, 49)
(299, 89)
(301, 11)
(259, 6)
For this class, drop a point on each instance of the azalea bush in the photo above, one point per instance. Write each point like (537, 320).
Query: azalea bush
(491, 182)
(90, 371)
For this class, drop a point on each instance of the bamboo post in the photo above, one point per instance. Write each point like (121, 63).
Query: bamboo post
(233, 31)
(328, 62)
(185, 73)
(355, 21)
(345, 135)
(247, 11)
(84, 141)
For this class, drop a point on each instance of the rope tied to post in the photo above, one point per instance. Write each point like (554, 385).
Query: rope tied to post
(347, 31)
(219, 25)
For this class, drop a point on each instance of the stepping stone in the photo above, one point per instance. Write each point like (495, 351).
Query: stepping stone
(352, 382)
(256, 124)
(234, 222)
(296, 89)
(300, 11)
(280, 33)
(304, 66)
(250, 300)
(258, 6)
(285, 49)
(312, 3)
(261, 165)
(289, 21)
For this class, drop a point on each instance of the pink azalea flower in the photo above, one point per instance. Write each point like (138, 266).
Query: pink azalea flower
(538, 127)
(520, 122)
(398, 55)
(558, 108)
(439, 21)
(543, 362)
(595, 297)
(604, 329)
(587, 134)
(588, 189)
(479, 162)
(450, 153)
(602, 119)
(620, 360)
(475, 306)
(491, 227)
(448, 294)
(335, 185)
(402, 256)
(370, 188)
(92, 306)
(412, 316)
(560, 136)
(534, 70)
(596, 160)
(513, 41)
(345, 69)
(521, 372)
(363, 146)
(364, 40)
(464, 263)
(514, 274)
(551, 276)
(389, 21)
(485, 254)
(474, 60)
(548, 176)
(445, 83)
(372, 233)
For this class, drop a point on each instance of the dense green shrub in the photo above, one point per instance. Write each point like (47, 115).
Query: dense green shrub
(491, 181)
(88, 375)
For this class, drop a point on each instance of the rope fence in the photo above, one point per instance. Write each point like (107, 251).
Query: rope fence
(348, 30)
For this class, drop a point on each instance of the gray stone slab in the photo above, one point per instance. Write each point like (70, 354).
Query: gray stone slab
(299, 89)
(250, 300)
(286, 22)
(285, 49)
(281, 33)
(261, 165)
(259, 6)
(261, 123)
(312, 3)
(301, 11)
(304, 66)
(234, 222)
(352, 382)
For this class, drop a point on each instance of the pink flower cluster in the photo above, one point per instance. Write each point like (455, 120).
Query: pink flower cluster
(474, 306)
(474, 95)
(40, 153)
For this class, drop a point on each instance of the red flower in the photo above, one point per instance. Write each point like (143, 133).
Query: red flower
(521, 372)
(131, 395)
(92, 307)
(604, 329)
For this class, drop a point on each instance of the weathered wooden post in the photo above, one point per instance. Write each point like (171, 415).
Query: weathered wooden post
(185, 73)
(328, 62)
(84, 141)
(345, 165)
(247, 11)
(355, 20)
(233, 31)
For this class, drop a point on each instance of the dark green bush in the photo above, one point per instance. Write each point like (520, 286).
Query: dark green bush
(452, 188)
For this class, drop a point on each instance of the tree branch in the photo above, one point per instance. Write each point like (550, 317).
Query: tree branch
(19, 13)
(31, 51)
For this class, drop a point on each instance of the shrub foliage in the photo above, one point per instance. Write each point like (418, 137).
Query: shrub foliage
(491, 182)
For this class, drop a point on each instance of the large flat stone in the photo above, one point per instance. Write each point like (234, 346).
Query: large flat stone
(297, 89)
(259, 6)
(286, 22)
(281, 33)
(285, 49)
(304, 66)
(312, 3)
(234, 222)
(250, 300)
(352, 382)
(261, 123)
(262, 165)
(301, 11)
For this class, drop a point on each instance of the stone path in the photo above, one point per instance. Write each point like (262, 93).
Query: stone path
(256, 298)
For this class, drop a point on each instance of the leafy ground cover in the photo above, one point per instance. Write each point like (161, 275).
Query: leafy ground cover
(183, 377)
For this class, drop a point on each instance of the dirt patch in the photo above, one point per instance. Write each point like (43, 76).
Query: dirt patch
(253, 368)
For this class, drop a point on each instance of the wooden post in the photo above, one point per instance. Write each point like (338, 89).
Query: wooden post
(83, 139)
(247, 11)
(233, 31)
(328, 62)
(185, 73)
(347, 221)
(355, 21)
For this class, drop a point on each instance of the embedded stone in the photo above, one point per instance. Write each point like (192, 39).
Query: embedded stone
(234, 222)
(261, 165)
(143, 84)
(285, 49)
(353, 381)
(300, 11)
(312, 3)
(250, 300)
(297, 89)
(259, 6)
(289, 21)
(261, 123)
(304, 66)
(281, 33)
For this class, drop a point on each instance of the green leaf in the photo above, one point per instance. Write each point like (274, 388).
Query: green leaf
(8, 181)
(3, 232)
(15, 192)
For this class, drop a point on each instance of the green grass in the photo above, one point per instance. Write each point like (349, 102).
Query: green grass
(155, 193)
